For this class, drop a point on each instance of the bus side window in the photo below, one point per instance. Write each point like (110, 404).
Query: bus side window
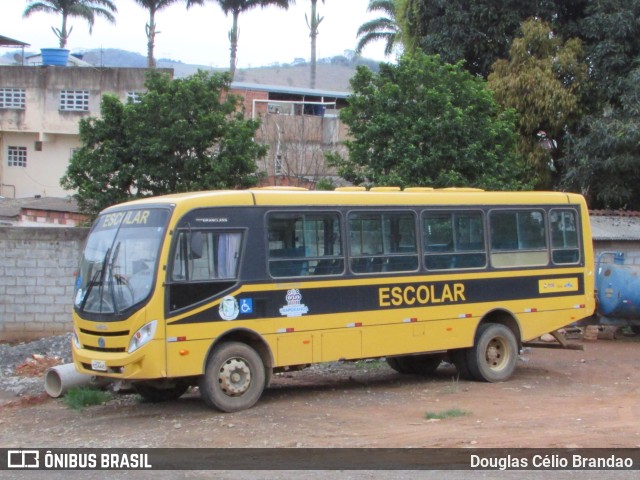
(215, 258)
(205, 262)
(302, 244)
(454, 240)
(383, 242)
(518, 238)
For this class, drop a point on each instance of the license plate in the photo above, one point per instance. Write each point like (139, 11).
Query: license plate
(99, 365)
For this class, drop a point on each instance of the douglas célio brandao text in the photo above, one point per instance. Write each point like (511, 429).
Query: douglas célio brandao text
(569, 461)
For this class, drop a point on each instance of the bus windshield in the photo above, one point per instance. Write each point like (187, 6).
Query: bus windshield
(118, 265)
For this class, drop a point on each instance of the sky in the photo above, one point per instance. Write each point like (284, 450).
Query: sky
(200, 35)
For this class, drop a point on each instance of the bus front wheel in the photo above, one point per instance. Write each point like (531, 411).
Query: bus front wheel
(234, 378)
(494, 354)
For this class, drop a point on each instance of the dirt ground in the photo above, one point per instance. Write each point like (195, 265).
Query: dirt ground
(557, 398)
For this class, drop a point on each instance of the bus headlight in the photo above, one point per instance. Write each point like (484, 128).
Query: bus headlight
(142, 336)
(76, 340)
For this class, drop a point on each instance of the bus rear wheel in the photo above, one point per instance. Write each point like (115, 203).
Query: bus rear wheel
(156, 394)
(234, 378)
(415, 364)
(459, 358)
(494, 354)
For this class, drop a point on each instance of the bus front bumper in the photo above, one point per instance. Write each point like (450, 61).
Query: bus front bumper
(146, 363)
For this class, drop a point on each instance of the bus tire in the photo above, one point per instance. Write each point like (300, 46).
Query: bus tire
(159, 394)
(494, 354)
(234, 378)
(459, 359)
(415, 364)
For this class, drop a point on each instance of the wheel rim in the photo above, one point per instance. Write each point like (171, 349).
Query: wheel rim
(497, 353)
(234, 377)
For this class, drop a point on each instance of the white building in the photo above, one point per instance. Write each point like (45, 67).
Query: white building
(40, 109)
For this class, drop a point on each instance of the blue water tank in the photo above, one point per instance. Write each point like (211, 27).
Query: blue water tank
(55, 56)
(618, 289)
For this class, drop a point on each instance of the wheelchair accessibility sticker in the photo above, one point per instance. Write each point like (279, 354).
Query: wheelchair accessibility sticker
(246, 306)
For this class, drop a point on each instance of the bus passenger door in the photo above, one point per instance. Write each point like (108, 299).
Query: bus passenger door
(203, 266)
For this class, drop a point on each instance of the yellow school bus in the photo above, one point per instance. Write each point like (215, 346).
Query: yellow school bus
(221, 289)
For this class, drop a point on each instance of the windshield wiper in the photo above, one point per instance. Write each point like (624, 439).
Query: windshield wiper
(99, 273)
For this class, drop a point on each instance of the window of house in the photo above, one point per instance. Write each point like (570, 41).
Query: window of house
(278, 169)
(17, 156)
(134, 97)
(12, 98)
(74, 100)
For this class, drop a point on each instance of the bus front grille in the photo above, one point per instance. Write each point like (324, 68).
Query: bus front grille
(98, 349)
(123, 333)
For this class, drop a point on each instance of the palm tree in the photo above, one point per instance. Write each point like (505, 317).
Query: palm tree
(87, 9)
(313, 25)
(236, 7)
(383, 28)
(153, 6)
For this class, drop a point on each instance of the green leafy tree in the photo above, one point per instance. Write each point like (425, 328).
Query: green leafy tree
(235, 8)
(543, 80)
(610, 30)
(153, 7)
(602, 160)
(184, 135)
(424, 122)
(382, 28)
(86, 9)
(478, 32)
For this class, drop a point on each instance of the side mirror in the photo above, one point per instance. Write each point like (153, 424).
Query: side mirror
(196, 245)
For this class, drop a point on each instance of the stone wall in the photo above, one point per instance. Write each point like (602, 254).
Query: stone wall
(37, 276)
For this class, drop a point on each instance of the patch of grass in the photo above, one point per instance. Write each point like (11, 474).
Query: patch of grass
(453, 387)
(80, 397)
(451, 413)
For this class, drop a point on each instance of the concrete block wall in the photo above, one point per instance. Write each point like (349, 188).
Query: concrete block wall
(631, 250)
(37, 277)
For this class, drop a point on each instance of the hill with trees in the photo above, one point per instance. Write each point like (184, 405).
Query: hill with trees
(333, 73)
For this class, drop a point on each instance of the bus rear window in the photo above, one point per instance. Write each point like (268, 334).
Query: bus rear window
(564, 236)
